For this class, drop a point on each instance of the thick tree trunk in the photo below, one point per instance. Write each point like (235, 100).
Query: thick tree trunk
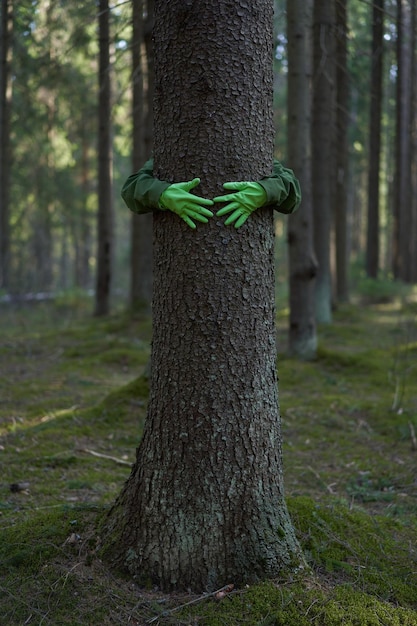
(204, 505)
(105, 225)
(302, 260)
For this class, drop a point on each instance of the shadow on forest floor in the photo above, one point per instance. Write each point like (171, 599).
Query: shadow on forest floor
(72, 407)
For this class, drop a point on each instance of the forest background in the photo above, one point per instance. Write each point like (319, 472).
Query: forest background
(52, 92)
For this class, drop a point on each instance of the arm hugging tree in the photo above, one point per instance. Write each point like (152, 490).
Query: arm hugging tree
(204, 504)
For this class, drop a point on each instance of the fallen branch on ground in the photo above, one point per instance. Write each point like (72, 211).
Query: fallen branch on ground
(105, 456)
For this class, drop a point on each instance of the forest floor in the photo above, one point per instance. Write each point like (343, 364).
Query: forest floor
(72, 406)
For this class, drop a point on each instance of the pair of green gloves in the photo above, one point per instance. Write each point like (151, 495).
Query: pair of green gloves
(143, 192)
(246, 198)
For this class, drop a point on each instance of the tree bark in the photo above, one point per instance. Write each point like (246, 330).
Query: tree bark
(413, 208)
(402, 239)
(322, 150)
(342, 154)
(105, 209)
(375, 117)
(141, 232)
(204, 505)
(302, 259)
(6, 33)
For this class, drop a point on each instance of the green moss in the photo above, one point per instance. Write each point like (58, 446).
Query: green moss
(137, 389)
(355, 546)
(32, 542)
(68, 390)
(298, 604)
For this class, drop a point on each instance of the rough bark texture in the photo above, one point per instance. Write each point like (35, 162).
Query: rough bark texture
(302, 260)
(142, 226)
(402, 209)
(105, 209)
(342, 153)
(204, 504)
(372, 239)
(413, 224)
(322, 147)
(6, 31)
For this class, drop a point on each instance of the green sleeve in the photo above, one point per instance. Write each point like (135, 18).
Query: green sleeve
(282, 189)
(141, 191)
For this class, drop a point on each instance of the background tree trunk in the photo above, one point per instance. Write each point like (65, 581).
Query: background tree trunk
(141, 249)
(375, 116)
(105, 202)
(6, 32)
(204, 505)
(413, 208)
(322, 150)
(342, 154)
(302, 260)
(402, 199)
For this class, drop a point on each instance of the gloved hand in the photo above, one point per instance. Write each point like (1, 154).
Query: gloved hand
(186, 205)
(247, 198)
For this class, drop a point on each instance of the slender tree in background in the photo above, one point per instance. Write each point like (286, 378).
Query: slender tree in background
(6, 31)
(302, 260)
(413, 226)
(142, 53)
(322, 150)
(342, 177)
(204, 504)
(105, 208)
(402, 197)
(375, 116)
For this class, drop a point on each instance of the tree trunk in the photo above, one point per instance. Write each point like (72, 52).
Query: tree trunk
(342, 154)
(413, 208)
(372, 243)
(6, 31)
(204, 505)
(104, 234)
(141, 248)
(302, 260)
(402, 239)
(322, 150)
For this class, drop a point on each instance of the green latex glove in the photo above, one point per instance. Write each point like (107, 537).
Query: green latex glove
(187, 206)
(247, 198)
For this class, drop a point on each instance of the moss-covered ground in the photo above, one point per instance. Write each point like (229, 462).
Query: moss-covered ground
(72, 406)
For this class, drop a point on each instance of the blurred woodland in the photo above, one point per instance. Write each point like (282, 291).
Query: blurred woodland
(76, 119)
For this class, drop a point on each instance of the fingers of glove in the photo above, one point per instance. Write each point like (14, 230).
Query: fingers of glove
(193, 210)
(189, 198)
(230, 197)
(242, 219)
(198, 201)
(239, 185)
(202, 211)
(186, 186)
(228, 208)
(195, 215)
(188, 221)
(236, 216)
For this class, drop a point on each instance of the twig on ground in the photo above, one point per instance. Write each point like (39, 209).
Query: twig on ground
(219, 593)
(105, 456)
